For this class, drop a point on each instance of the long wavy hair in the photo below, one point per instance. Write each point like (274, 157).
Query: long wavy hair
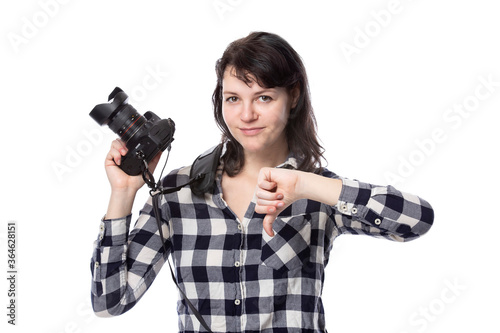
(269, 60)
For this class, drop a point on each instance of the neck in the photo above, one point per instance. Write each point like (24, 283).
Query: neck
(256, 161)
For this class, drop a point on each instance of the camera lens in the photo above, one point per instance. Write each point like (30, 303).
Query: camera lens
(127, 122)
(144, 135)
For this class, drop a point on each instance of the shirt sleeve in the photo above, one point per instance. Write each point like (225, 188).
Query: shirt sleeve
(381, 211)
(124, 265)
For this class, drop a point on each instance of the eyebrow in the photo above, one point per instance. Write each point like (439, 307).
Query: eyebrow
(263, 91)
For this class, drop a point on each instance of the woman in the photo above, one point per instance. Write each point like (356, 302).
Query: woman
(250, 255)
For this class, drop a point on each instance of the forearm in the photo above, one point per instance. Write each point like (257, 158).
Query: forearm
(386, 211)
(120, 203)
(362, 207)
(119, 258)
(318, 188)
(382, 211)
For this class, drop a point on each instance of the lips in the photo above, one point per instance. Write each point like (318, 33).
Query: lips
(250, 131)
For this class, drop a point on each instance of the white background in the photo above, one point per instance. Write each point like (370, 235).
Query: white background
(410, 68)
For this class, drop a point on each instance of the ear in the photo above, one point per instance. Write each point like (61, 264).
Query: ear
(294, 95)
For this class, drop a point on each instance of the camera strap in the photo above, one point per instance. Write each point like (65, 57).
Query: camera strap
(202, 180)
(201, 175)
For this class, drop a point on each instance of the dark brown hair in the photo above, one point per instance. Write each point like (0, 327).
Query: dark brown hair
(271, 62)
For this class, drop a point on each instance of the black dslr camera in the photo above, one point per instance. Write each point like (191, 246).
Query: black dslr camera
(144, 136)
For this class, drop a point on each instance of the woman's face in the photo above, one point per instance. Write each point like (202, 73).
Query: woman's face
(255, 116)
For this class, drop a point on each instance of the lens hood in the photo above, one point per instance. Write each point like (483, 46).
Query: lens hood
(103, 113)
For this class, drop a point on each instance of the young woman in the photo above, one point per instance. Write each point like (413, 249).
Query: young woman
(250, 255)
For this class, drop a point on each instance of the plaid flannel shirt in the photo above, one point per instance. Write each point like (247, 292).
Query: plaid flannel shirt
(239, 278)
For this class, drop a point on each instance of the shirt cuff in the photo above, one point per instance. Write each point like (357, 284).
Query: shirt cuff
(353, 199)
(114, 232)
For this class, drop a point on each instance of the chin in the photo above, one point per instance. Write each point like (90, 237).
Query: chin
(252, 148)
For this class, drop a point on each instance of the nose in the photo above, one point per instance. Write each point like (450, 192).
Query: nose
(248, 113)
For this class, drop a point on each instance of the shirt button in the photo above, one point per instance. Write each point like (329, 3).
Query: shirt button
(237, 264)
(344, 208)
(378, 221)
(102, 226)
(237, 302)
(96, 264)
(240, 227)
(354, 210)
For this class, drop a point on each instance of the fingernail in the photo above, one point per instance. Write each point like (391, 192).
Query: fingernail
(280, 204)
(279, 196)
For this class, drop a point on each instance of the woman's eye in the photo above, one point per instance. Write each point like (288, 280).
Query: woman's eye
(265, 98)
(232, 99)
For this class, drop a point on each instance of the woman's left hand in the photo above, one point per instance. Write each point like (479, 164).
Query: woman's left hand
(279, 188)
(276, 190)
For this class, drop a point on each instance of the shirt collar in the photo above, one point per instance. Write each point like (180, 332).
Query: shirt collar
(290, 163)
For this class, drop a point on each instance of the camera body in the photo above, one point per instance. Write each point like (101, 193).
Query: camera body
(144, 136)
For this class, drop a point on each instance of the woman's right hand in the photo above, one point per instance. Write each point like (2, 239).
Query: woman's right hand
(123, 187)
(118, 179)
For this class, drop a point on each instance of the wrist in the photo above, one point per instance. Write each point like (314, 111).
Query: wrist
(120, 203)
(124, 193)
(302, 185)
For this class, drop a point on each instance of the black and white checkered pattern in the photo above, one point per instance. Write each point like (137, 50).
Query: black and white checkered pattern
(239, 278)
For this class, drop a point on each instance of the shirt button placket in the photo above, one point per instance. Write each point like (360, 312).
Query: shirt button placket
(239, 247)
